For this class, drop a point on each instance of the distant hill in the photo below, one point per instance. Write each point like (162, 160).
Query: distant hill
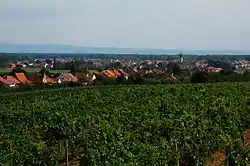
(56, 48)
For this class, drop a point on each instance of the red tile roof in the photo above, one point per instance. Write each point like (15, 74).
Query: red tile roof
(47, 79)
(6, 82)
(106, 73)
(123, 72)
(13, 79)
(22, 78)
(111, 73)
(79, 75)
(70, 77)
(211, 68)
(246, 136)
(51, 80)
(117, 73)
(114, 73)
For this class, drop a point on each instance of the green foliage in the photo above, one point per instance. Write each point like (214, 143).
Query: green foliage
(73, 69)
(17, 70)
(176, 70)
(4, 60)
(200, 77)
(109, 81)
(44, 71)
(126, 125)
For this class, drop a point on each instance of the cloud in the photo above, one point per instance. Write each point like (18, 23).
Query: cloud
(192, 24)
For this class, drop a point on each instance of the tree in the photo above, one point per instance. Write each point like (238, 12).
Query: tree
(177, 70)
(162, 65)
(121, 80)
(44, 71)
(17, 70)
(135, 79)
(246, 76)
(109, 81)
(200, 77)
(55, 64)
(4, 60)
(216, 77)
(233, 77)
(73, 69)
(117, 65)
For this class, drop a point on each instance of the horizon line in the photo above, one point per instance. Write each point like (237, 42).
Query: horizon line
(115, 47)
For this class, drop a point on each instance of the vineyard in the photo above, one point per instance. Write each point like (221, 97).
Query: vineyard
(176, 125)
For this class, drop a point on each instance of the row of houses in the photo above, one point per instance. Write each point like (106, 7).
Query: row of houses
(17, 79)
(36, 78)
(21, 79)
(113, 73)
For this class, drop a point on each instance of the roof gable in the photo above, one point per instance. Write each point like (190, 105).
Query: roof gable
(6, 82)
(117, 73)
(13, 79)
(111, 73)
(68, 76)
(123, 72)
(22, 78)
(106, 73)
(47, 79)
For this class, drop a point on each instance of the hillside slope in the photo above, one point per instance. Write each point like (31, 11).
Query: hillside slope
(134, 125)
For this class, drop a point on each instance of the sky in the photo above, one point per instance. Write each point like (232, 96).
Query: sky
(170, 24)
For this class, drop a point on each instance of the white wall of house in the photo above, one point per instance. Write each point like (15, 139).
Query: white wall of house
(12, 85)
(61, 79)
(93, 77)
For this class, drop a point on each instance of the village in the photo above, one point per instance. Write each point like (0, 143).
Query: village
(100, 71)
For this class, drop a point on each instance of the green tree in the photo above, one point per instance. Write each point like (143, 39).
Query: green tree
(44, 71)
(73, 68)
(176, 70)
(18, 70)
(200, 77)
(4, 60)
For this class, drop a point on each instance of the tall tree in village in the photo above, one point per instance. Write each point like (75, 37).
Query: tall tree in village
(73, 68)
(44, 71)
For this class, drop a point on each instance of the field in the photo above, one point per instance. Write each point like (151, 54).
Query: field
(125, 125)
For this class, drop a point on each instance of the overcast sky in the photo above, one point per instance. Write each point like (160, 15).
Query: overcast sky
(181, 24)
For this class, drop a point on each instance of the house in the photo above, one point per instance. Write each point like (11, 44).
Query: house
(35, 78)
(7, 83)
(86, 76)
(12, 65)
(157, 71)
(213, 69)
(187, 65)
(22, 78)
(47, 80)
(80, 75)
(83, 77)
(66, 77)
(134, 72)
(94, 77)
(114, 73)
(12, 79)
(117, 73)
(123, 73)
(107, 73)
(111, 73)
